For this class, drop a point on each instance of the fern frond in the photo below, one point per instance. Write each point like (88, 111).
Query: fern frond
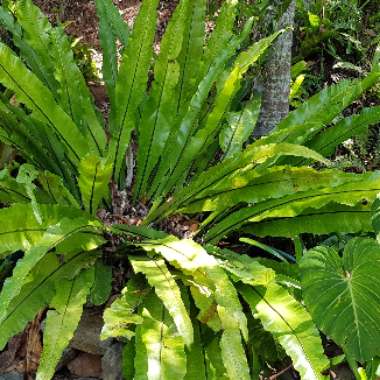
(161, 351)
(327, 140)
(191, 56)
(33, 40)
(178, 140)
(167, 291)
(10, 190)
(123, 311)
(62, 322)
(349, 194)
(251, 158)
(102, 286)
(243, 267)
(53, 236)
(31, 91)
(57, 191)
(239, 128)
(256, 186)
(74, 96)
(112, 28)
(158, 117)
(22, 231)
(39, 289)
(207, 134)
(196, 369)
(222, 33)
(214, 361)
(320, 110)
(193, 260)
(131, 84)
(233, 354)
(94, 176)
(325, 220)
(291, 325)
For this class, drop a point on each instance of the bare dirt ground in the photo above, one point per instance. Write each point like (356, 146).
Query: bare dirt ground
(80, 15)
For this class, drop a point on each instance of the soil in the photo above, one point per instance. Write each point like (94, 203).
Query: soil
(82, 22)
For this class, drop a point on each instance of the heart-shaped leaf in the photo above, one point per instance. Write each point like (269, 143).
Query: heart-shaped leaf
(343, 295)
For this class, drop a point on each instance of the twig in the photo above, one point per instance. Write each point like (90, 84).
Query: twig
(276, 375)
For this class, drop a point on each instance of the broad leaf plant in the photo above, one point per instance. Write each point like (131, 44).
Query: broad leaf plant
(173, 147)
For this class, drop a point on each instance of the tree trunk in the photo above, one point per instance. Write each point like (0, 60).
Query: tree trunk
(276, 77)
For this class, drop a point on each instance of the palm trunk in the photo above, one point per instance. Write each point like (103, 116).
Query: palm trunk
(276, 77)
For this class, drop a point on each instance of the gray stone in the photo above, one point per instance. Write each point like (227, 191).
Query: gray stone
(112, 361)
(11, 376)
(86, 365)
(342, 372)
(87, 336)
(67, 356)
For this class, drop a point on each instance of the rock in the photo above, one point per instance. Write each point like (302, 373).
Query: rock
(87, 336)
(112, 362)
(67, 356)
(15, 352)
(342, 372)
(11, 376)
(86, 365)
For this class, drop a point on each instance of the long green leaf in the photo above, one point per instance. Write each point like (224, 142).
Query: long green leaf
(74, 96)
(94, 176)
(54, 235)
(31, 91)
(326, 141)
(196, 369)
(302, 124)
(291, 325)
(207, 134)
(112, 28)
(10, 190)
(222, 33)
(131, 84)
(191, 54)
(57, 191)
(167, 291)
(215, 368)
(249, 159)
(129, 353)
(21, 231)
(234, 357)
(193, 260)
(62, 322)
(39, 289)
(243, 267)
(162, 356)
(17, 131)
(33, 40)
(35, 141)
(123, 312)
(330, 102)
(326, 220)
(51, 48)
(239, 128)
(102, 286)
(157, 114)
(178, 140)
(253, 186)
(349, 194)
